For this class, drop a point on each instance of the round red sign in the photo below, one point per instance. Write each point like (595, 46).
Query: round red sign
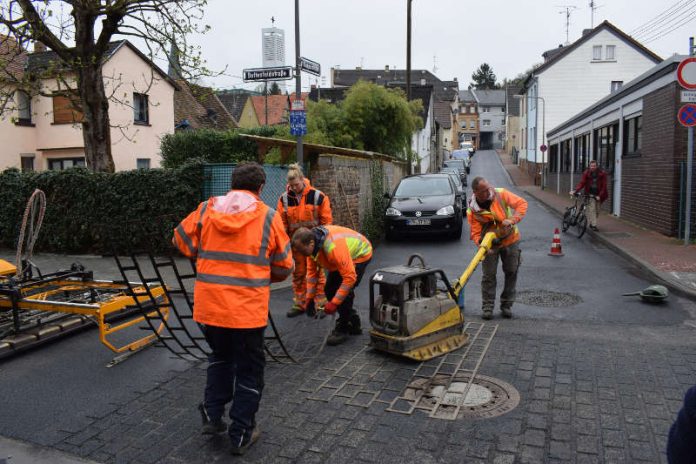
(686, 73)
(543, 148)
(687, 115)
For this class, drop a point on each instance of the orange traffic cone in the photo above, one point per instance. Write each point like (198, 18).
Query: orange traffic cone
(556, 244)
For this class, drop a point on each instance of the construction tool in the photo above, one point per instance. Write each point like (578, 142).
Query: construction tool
(416, 312)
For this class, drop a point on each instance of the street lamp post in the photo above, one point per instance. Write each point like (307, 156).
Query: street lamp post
(543, 136)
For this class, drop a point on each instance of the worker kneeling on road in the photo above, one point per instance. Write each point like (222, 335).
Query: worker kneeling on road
(491, 210)
(303, 206)
(240, 247)
(345, 254)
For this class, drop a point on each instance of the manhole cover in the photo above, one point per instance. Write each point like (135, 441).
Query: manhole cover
(547, 298)
(484, 397)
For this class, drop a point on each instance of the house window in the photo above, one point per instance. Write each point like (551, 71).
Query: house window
(502, 109)
(142, 163)
(616, 85)
(486, 122)
(632, 136)
(472, 124)
(472, 109)
(59, 164)
(503, 121)
(140, 109)
(597, 53)
(485, 109)
(23, 109)
(611, 52)
(66, 110)
(27, 163)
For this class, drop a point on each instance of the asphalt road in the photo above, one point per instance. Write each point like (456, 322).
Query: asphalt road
(572, 365)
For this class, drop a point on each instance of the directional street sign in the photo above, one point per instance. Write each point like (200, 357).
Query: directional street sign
(686, 73)
(298, 123)
(687, 115)
(280, 73)
(310, 66)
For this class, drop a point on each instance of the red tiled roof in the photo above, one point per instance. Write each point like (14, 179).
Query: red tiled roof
(200, 107)
(12, 59)
(277, 106)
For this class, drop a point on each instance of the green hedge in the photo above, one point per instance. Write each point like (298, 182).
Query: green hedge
(89, 212)
(211, 146)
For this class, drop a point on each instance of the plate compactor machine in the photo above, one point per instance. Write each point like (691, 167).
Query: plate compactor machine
(416, 312)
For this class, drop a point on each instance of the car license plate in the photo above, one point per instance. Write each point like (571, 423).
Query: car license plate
(418, 222)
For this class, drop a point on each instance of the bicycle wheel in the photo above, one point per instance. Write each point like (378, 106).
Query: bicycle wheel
(568, 219)
(581, 224)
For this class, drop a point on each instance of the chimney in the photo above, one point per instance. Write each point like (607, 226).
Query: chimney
(586, 31)
(455, 79)
(39, 47)
(386, 68)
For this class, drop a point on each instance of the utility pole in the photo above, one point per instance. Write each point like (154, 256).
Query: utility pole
(689, 168)
(298, 75)
(408, 50)
(408, 68)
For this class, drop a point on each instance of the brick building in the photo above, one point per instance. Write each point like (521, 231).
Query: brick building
(634, 135)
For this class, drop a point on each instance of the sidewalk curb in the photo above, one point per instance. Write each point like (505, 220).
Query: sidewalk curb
(21, 452)
(662, 277)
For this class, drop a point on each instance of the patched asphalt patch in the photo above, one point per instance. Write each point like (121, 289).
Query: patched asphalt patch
(547, 298)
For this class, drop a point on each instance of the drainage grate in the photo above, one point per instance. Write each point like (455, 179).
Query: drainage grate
(547, 298)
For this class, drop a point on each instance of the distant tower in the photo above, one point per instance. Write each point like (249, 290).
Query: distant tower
(273, 47)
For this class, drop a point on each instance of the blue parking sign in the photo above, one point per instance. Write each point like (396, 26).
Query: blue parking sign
(298, 122)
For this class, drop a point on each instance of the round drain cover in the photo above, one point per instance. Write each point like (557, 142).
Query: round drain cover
(547, 298)
(446, 397)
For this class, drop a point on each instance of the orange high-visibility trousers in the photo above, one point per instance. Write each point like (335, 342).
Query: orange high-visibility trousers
(299, 283)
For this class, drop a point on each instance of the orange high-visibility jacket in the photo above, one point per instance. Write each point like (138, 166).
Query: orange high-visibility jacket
(311, 209)
(501, 208)
(238, 255)
(340, 250)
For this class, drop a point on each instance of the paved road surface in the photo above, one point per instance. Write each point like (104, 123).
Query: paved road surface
(598, 381)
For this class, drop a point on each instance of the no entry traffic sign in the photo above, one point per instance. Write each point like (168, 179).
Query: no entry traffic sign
(686, 73)
(687, 115)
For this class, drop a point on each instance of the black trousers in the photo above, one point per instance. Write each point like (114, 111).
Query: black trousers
(235, 374)
(346, 313)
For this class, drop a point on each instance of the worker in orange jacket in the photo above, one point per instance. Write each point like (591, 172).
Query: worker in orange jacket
(345, 254)
(497, 210)
(301, 205)
(240, 247)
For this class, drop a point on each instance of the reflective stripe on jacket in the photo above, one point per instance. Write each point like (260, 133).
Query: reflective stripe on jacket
(238, 255)
(311, 209)
(341, 249)
(502, 207)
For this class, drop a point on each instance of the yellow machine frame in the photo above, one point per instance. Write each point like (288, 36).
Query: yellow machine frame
(29, 296)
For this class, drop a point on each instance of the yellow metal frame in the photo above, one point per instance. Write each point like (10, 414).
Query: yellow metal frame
(7, 269)
(97, 311)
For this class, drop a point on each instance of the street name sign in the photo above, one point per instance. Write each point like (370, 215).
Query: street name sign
(687, 115)
(686, 73)
(312, 67)
(280, 73)
(688, 96)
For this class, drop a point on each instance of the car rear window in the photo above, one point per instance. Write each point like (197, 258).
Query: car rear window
(423, 187)
(455, 164)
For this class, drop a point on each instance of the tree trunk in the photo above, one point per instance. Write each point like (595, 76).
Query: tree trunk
(96, 130)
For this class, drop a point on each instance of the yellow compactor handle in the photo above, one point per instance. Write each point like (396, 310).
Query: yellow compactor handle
(485, 245)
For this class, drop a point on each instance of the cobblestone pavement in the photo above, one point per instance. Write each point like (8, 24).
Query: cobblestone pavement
(589, 393)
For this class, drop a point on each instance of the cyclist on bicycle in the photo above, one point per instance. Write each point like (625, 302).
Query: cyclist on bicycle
(594, 184)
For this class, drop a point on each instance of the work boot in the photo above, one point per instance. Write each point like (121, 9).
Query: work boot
(354, 325)
(336, 338)
(241, 449)
(507, 312)
(296, 310)
(210, 426)
(487, 313)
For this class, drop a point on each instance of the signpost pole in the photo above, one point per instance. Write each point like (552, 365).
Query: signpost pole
(689, 167)
(298, 76)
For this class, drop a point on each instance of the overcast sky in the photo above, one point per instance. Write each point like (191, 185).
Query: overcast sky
(455, 36)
